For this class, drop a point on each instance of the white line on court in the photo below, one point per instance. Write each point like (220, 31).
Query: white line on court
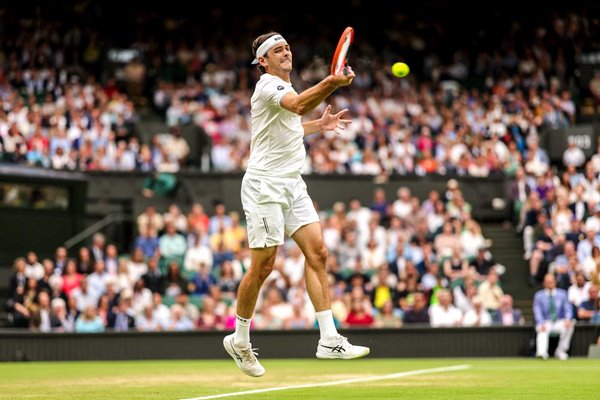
(342, 382)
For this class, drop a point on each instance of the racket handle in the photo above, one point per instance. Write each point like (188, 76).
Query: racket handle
(345, 70)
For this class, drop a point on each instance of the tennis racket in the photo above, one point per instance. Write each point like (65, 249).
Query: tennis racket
(338, 64)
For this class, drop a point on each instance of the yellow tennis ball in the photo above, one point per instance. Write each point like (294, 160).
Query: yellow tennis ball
(400, 69)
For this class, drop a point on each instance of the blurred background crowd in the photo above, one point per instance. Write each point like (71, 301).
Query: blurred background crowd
(74, 86)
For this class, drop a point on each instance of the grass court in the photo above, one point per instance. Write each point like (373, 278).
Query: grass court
(369, 378)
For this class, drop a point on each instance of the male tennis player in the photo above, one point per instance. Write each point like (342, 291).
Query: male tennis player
(275, 199)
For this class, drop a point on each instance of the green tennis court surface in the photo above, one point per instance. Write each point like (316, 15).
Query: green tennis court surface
(413, 379)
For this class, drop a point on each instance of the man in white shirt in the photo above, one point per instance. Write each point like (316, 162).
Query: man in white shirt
(84, 296)
(275, 199)
(477, 316)
(593, 221)
(578, 292)
(98, 280)
(360, 215)
(444, 313)
(402, 206)
(573, 155)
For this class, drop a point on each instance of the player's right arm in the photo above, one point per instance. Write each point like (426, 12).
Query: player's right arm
(308, 100)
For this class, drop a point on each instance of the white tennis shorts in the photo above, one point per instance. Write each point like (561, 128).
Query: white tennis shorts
(274, 207)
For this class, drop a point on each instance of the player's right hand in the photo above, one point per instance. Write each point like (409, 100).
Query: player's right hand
(345, 77)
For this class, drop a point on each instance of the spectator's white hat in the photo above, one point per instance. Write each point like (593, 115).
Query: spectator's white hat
(452, 184)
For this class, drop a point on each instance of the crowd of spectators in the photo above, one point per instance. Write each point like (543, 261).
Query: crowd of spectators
(473, 111)
(559, 218)
(393, 262)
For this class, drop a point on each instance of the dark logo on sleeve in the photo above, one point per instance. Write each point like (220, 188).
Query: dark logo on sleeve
(279, 87)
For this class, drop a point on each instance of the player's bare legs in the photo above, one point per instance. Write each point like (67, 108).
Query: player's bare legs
(310, 240)
(261, 265)
(331, 345)
(238, 343)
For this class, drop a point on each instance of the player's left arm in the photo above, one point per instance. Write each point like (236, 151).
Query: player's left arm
(327, 122)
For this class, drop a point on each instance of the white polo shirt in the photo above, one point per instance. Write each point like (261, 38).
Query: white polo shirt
(277, 145)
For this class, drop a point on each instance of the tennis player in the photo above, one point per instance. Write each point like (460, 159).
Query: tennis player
(275, 199)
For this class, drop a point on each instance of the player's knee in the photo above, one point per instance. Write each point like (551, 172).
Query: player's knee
(319, 257)
(265, 271)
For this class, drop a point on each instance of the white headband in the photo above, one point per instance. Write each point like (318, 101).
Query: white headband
(266, 46)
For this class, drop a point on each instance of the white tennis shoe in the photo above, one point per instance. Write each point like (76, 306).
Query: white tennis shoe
(244, 358)
(339, 347)
(561, 355)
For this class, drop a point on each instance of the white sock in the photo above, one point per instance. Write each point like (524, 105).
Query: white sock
(241, 337)
(326, 324)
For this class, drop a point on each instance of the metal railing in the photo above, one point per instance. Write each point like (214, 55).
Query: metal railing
(95, 228)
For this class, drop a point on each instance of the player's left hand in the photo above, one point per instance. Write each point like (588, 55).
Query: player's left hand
(334, 122)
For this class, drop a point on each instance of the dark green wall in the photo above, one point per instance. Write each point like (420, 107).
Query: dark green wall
(324, 189)
(384, 343)
(41, 230)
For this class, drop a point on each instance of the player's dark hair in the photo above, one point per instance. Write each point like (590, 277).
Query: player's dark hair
(256, 44)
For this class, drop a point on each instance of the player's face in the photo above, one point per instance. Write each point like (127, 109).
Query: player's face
(280, 57)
